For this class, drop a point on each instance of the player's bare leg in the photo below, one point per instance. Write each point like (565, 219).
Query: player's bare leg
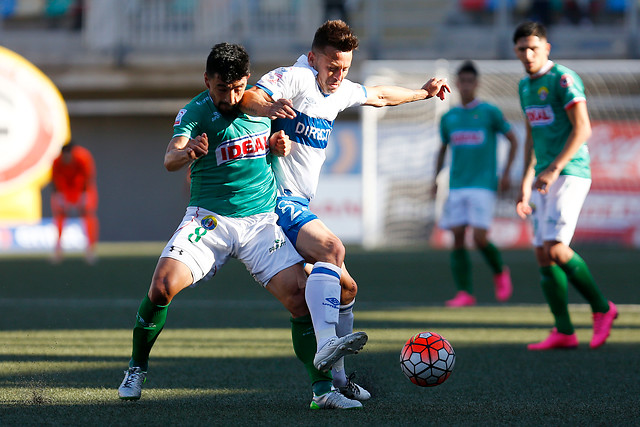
(91, 226)
(59, 214)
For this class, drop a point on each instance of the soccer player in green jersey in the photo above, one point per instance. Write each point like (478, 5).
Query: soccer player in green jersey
(555, 183)
(231, 213)
(470, 132)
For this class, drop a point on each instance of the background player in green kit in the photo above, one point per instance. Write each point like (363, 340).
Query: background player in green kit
(231, 213)
(556, 180)
(470, 131)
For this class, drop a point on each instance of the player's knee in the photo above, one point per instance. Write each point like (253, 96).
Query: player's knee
(349, 291)
(160, 292)
(559, 253)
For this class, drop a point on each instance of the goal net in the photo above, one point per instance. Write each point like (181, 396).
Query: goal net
(400, 145)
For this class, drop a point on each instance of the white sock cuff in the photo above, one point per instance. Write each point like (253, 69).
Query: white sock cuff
(347, 307)
(327, 268)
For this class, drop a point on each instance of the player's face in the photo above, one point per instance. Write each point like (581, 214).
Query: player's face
(533, 52)
(225, 96)
(467, 84)
(332, 66)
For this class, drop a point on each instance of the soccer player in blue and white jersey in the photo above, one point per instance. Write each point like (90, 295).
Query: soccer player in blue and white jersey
(470, 131)
(304, 99)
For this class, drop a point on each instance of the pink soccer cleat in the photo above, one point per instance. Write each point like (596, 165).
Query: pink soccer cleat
(462, 299)
(602, 323)
(503, 286)
(555, 340)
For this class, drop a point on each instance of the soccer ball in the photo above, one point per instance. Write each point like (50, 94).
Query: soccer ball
(427, 359)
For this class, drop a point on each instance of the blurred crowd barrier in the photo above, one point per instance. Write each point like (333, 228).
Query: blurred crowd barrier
(273, 30)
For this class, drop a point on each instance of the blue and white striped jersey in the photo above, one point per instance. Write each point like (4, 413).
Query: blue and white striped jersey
(297, 174)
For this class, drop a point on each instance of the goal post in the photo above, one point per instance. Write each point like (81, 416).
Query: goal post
(400, 146)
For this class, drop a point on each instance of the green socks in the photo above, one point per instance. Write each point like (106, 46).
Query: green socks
(580, 277)
(150, 320)
(461, 269)
(493, 257)
(304, 345)
(555, 290)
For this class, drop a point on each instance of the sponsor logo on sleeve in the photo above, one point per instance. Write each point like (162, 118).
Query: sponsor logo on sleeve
(179, 117)
(566, 80)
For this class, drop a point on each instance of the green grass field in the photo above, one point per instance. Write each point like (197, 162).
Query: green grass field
(225, 356)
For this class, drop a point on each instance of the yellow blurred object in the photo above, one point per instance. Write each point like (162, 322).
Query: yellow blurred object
(35, 125)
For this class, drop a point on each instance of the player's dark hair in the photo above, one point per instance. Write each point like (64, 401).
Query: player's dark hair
(229, 61)
(337, 34)
(530, 28)
(468, 67)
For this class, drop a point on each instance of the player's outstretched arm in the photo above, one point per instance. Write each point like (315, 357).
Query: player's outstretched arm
(257, 102)
(383, 96)
(182, 150)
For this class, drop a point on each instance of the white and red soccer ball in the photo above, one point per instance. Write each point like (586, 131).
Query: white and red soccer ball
(427, 359)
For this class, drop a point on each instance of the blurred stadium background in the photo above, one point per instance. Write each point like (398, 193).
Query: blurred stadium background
(125, 67)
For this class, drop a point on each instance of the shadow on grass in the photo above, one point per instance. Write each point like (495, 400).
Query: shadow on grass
(490, 384)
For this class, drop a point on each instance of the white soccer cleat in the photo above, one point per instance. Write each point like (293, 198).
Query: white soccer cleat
(333, 400)
(336, 348)
(131, 387)
(354, 391)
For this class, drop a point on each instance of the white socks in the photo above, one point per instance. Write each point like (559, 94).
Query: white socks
(323, 299)
(345, 327)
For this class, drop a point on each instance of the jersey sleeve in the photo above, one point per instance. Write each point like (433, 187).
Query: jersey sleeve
(186, 122)
(501, 124)
(283, 82)
(570, 89)
(356, 94)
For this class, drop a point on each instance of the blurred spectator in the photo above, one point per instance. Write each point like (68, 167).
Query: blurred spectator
(544, 11)
(581, 12)
(64, 13)
(337, 9)
(75, 193)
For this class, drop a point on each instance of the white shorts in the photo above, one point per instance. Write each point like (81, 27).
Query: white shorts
(556, 213)
(204, 241)
(468, 206)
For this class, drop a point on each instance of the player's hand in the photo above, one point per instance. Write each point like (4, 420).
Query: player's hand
(197, 147)
(523, 208)
(436, 87)
(280, 144)
(281, 109)
(545, 179)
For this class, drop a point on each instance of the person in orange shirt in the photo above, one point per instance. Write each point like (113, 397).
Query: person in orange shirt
(75, 192)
